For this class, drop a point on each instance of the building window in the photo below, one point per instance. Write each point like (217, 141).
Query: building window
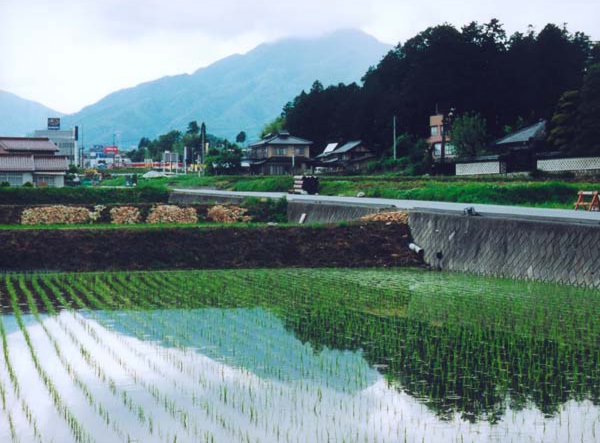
(280, 151)
(44, 180)
(434, 131)
(12, 178)
(299, 152)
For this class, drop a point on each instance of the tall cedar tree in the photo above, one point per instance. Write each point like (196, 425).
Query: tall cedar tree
(587, 140)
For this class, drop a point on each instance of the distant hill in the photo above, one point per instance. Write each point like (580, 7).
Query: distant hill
(240, 92)
(19, 117)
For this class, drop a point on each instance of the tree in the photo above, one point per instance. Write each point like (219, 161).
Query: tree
(469, 134)
(193, 128)
(165, 142)
(227, 160)
(273, 127)
(202, 142)
(562, 128)
(587, 140)
(241, 137)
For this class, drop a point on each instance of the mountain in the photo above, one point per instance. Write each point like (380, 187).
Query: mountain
(237, 93)
(19, 117)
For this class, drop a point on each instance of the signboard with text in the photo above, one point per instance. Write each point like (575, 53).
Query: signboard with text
(53, 124)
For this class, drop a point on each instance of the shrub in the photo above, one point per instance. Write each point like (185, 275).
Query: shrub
(125, 215)
(172, 214)
(227, 214)
(267, 210)
(55, 215)
(280, 183)
(81, 195)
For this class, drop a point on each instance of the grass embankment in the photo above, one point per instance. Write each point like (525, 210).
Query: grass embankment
(490, 190)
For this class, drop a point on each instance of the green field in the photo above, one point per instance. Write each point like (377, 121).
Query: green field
(296, 355)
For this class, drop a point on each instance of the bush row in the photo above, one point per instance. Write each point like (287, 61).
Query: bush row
(82, 195)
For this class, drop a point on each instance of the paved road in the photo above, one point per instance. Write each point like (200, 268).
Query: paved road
(564, 215)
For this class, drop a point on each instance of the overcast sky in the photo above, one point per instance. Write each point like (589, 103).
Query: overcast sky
(68, 54)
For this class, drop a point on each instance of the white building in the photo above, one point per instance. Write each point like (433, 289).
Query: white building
(65, 140)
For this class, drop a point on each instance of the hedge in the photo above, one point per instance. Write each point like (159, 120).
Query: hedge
(81, 195)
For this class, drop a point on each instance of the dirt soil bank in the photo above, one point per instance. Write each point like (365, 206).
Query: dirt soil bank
(360, 245)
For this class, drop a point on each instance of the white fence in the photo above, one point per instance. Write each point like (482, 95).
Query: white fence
(569, 164)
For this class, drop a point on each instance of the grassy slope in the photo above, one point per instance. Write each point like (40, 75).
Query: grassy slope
(497, 190)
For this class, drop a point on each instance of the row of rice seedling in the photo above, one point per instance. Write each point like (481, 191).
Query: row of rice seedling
(79, 433)
(73, 370)
(210, 355)
(232, 399)
(135, 403)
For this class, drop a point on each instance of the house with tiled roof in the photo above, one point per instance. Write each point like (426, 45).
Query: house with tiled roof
(352, 156)
(515, 152)
(279, 154)
(31, 160)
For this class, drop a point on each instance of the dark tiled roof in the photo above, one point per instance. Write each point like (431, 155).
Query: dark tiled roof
(523, 135)
(27, 144)
(282, 138)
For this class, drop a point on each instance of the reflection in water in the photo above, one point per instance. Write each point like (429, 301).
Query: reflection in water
(249, 375)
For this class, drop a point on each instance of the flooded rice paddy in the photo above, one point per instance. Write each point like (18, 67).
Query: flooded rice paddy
(297, 356)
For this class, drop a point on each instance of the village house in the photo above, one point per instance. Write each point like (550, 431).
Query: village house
(31, 160)
(279, 154)
(352, 156)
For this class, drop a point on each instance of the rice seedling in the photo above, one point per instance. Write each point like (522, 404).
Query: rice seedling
(319, 354)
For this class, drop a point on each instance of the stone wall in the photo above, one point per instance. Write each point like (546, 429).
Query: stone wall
(514, 248)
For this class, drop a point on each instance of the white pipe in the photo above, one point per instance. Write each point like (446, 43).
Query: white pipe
(416, 248)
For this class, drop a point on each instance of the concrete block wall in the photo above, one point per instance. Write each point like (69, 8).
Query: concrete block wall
(328, 213)
(481, 168)
(514, 248)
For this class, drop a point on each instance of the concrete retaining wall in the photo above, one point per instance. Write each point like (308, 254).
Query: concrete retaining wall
(328, 213)
(183, 198)
(537, 250)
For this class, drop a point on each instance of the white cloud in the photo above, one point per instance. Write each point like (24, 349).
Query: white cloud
(70, 53)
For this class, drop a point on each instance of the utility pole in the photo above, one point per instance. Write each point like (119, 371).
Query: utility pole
(394, 120)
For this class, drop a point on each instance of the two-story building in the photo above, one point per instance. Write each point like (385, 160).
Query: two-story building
(31, 160)
(436, 131)
(279, 154)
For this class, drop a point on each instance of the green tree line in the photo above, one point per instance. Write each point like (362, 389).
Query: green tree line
(218, 154)
(495, 81)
